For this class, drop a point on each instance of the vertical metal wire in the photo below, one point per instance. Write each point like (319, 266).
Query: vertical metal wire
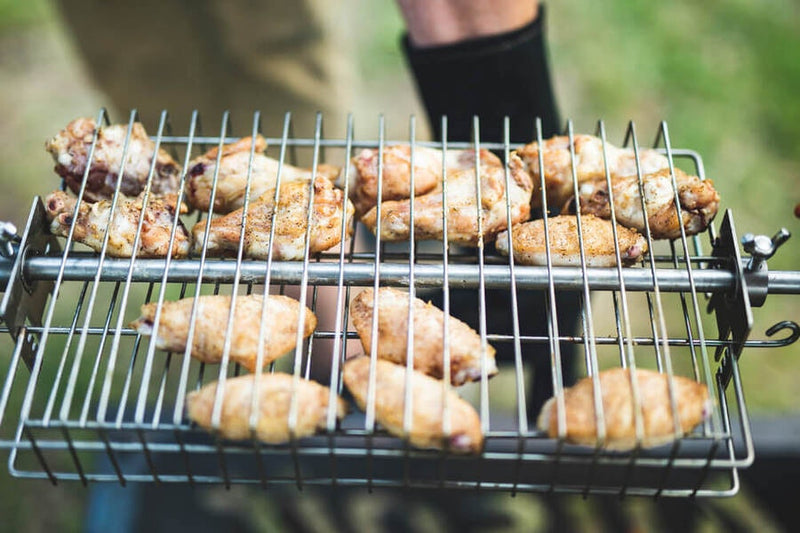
(112, 357)
(340, 326)
(48, 411)
(181, 393)
(219, 393)
(103, 337)
(655, 333)
(522, 411)
(73, 376)
(180, 398)
(686, 320)
(110, 368)
(126, 386)
(484, 385)
(27, 402)
(659, 308)
(552, 319)
(74, 371)
(626, 319)
(12, 370)
(255, 399)
(369, 420)
(664, 134)
(588, 319)
(408, 383)
(446, 356)
(298, 356)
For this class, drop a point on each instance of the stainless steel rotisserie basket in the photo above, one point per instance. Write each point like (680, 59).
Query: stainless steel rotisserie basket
(85, 398)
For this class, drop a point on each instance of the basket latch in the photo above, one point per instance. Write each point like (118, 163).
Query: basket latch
(760, 248)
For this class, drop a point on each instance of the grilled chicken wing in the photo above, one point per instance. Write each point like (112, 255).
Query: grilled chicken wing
(698, 198)
(462, 206)
(70, 150)
(397, 172)
(589, 164)
(93, 222)
(290, 229)
(232, 175)
(427, 410)
(280, 327)
(428, 352)
(275, 392)
(618, 408)
(598, 241)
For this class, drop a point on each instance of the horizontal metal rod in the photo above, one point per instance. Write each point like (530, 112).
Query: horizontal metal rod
(427, 275)
(784, 282)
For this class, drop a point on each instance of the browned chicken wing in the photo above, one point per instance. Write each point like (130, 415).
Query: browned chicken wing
(598, 241)
(93, 222)
(618, 409)
(280, 327)
(275, 392)
(70, 150)
(428, 352)
(462, 206)
(589, 164)
(397, 172)
(698, 199)
(232, 175)
(290, 230)
(427, 410)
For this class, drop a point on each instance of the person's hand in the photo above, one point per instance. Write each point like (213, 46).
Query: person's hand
(440, 22)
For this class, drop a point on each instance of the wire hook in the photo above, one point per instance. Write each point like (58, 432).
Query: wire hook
(786, 324)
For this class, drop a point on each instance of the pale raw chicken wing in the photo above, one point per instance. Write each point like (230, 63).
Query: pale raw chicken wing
(232, 175)
(428, 351)
(598, 242)
(291, 222)
(427, 409)
(693, 406)
(70, 150)
(94, 220)
(462, 206)
(272, 423)
(280, 327)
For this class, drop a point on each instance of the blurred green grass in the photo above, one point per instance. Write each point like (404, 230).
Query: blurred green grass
(725, 76)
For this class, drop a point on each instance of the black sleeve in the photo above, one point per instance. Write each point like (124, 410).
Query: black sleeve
(491, 77)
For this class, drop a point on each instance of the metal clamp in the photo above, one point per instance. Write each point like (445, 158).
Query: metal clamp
(760, 248)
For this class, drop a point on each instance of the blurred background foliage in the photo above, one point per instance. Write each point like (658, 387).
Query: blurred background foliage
(724, 74)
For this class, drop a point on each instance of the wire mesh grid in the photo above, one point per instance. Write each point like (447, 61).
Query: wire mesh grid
(99, 402)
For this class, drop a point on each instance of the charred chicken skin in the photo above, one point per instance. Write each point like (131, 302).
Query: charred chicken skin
(233, 171)
(93, 220)
(70, 150)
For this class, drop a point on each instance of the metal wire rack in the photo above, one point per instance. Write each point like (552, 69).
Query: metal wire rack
(85, 398)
